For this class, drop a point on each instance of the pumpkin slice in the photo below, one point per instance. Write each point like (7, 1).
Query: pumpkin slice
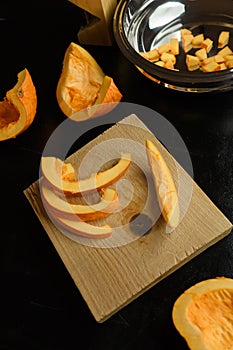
(51, 168)
(203, 314)
(82, 228)
(82, 84)
(164, 185)
(107, 204)
(18, 109)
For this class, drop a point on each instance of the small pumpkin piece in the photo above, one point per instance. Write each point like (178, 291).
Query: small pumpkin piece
(187, 42)
(152, 55)
(164, 48)
(168, 57)
(160, 63)
(229, 64)
(18, 109)
(225, 51)
(174, 46)
(203, 314)
(228, 57)
(207, 44)
(197, 41)
(223, 39)
(219, 59)
(210, 67)
(201, 54)
(223, 66)
(192, 62)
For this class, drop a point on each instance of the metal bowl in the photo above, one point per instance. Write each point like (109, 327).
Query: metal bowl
(142, 25)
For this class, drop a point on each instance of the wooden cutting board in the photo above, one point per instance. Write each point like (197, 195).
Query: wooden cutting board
(112, 272)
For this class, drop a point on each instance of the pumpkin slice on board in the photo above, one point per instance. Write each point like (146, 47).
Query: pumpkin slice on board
(164, 185)
(52, 170)
(59, 205)
(83, 84)
(203, 314)
(82, 228)
(18, 109)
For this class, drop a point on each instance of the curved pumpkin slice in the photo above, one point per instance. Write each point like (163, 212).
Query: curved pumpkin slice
(82, 228)
(107, 204)
(18, 109)
(82, 84)
(203, 314)
(51, 168)
(164, 185)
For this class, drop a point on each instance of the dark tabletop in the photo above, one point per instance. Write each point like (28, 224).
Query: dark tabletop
(41, 308)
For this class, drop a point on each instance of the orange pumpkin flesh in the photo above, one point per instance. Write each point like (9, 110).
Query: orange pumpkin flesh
(52, 167)
(82, 84)
(18, 109)
(105, 206)
(164, 185)
(82, 228)
(203, 315)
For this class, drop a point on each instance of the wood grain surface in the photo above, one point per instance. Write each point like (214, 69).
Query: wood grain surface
(112, 272)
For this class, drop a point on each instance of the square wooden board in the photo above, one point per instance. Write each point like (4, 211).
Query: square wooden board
(111, 273)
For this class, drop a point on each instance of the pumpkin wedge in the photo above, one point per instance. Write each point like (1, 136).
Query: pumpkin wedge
(51, 168)
(83, 84)
(108, 203)
(164, 185)
(18, 109)
(82, 228)
(203, 314)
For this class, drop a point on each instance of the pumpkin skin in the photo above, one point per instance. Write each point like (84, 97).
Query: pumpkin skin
(18, 109)
(203, 315)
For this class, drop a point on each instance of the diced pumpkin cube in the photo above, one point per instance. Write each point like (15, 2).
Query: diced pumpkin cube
(211, 67)
(165, 57)
(174, 43)
(164, 48)
(160, 63)
(225, 51)
(219, 59)
(187, 42)
(223, 66)
(152, 55)
(207, 44)
(229, 64)
(208, 60)
(197, 40)
(201, 54)
(223, 39)
(192, 62)
(169, 64)
(228, 57)
(185, 31)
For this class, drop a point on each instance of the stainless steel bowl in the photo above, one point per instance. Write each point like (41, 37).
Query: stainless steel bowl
(141, 25)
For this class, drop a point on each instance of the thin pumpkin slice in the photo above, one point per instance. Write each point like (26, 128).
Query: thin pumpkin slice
(164, 185)
(83, 84)
(82, 228)
(105, 206)
(18, 109)
(52, 168)
(203, 314)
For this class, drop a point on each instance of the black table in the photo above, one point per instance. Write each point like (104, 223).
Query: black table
(41, 307)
